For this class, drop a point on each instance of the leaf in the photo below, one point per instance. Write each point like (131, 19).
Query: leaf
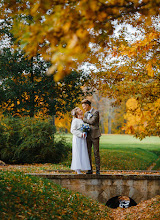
(35, 8)
(72, 43)
(132, 104)
(150, 69)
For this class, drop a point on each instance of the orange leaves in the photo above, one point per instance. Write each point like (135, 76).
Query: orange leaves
(148, 209)
(72, 43)
(157, 103)
(145, 121)
(63, 123)
(102, 16)
(133, 115)
(140, 46)
(94, 5)
(35, 8)
(81, 33)
(132, 104)
(64, 27)
(150, 69)
(42, 199)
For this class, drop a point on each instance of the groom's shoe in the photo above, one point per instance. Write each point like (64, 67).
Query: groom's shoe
(89, 172)
(97, 172)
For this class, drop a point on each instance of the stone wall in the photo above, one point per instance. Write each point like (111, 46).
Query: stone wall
(104, 187)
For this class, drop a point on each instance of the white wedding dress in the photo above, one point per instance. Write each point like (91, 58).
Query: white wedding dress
(80, 158)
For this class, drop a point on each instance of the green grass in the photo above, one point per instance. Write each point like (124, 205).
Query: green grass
(125, 152)
(30, 197)
(157, 165)
(126, 158)
(34, 198)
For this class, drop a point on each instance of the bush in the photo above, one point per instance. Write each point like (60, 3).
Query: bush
(30, 140)
(9, 138)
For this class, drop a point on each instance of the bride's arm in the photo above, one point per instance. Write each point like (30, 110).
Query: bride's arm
(74, 129)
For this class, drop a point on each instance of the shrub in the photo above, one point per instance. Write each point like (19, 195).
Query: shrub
(30, 140)
(9, 138)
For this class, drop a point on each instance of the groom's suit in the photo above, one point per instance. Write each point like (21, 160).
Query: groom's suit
(92, 118)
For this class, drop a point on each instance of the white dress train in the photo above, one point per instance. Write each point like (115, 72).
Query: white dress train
(80, 158)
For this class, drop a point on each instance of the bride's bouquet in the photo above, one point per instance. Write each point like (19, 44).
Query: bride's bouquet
(85, 128)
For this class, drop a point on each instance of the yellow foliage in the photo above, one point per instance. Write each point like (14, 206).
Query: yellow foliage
(142, 122)
(132, 104)
(63, 121)
(94, 5)
(150, 69)
(34, 8)
(66, 26)
(63, 124)
(157, 103)
(70, 24)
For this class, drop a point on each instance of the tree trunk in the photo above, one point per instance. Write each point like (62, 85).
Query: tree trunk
(102, 125)
(53, 120)
(109, 121)
(32, 103)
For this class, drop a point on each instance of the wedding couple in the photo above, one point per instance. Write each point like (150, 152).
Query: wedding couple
(82, 143)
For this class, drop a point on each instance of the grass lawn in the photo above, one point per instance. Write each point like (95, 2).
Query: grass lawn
(29, 197)
(124, 152)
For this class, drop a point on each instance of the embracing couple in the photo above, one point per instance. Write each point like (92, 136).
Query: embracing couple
(82, 141)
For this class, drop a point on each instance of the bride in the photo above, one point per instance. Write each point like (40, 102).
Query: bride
(80, 158)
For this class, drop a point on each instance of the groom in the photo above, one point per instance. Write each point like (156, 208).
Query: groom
(91, 117)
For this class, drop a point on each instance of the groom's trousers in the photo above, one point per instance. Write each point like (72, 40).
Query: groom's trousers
(95, 143)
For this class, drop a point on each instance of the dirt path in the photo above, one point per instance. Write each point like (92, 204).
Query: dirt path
(152, 165)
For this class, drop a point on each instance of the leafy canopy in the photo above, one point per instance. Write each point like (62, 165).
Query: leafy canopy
(63, 30)
(69, 33)
(26, 90)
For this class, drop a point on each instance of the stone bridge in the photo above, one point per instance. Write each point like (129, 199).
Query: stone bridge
(103, 187)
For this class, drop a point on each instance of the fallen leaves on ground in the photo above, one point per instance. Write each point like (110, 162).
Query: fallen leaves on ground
(148, 210)
(58, 168)
(30, 197)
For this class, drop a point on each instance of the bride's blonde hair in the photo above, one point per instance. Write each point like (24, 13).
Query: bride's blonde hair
(74, 112)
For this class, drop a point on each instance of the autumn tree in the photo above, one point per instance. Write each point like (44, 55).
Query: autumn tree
(111, 117)
(25, 89)
(69, 33)
(134, 74)
(67, 28)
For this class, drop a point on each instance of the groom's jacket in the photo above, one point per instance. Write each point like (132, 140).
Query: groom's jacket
(93, 121)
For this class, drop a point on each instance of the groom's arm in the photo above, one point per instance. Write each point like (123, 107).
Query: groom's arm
(93, 120)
